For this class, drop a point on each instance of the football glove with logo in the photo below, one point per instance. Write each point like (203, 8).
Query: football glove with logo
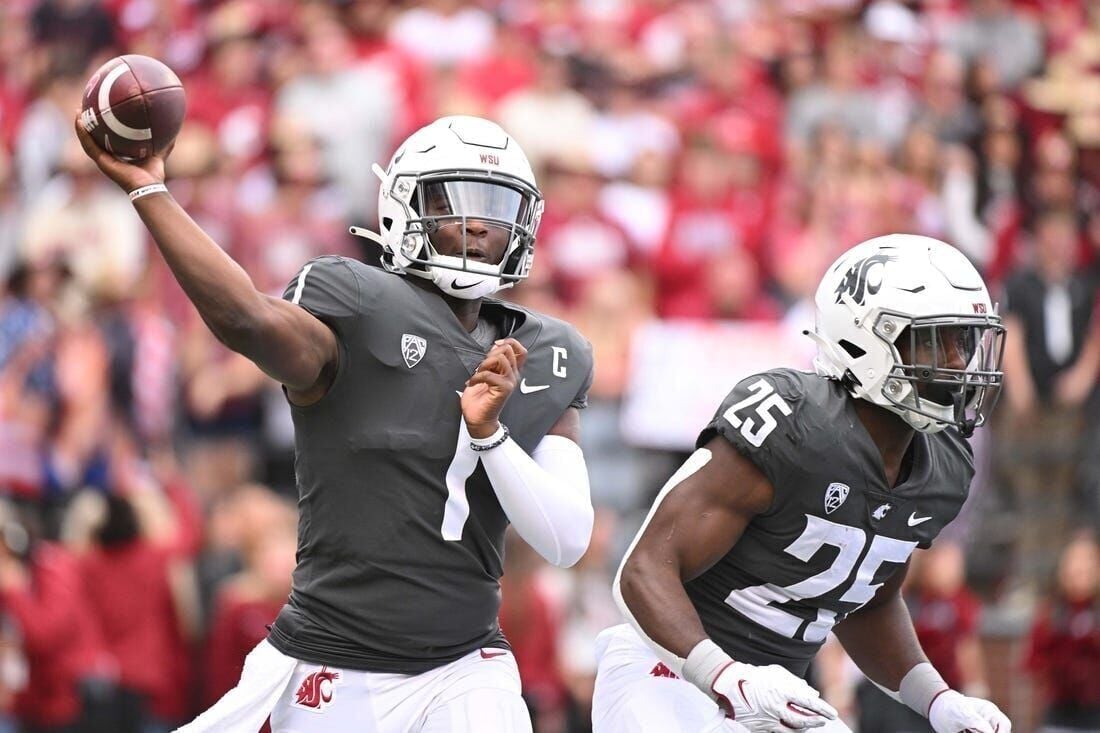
(953, 712)
(767, 699)
(760, 699)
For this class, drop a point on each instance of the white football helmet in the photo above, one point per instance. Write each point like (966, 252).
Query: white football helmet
(470, 169)
(911, 291)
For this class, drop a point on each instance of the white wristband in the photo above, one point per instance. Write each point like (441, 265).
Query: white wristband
(920, 686)
(491, 441)
(146, 190)
(704, 663)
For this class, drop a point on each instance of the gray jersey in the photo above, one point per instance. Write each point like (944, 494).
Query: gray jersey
(834, 532)
(400, 536)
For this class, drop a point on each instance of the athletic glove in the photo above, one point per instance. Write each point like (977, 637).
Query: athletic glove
(953, 712)
(769, 699)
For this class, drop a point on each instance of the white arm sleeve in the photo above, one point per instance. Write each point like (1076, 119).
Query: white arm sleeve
(545, 495)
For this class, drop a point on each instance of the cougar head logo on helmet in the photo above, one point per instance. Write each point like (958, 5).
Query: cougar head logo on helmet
(450, 185)
(905, 322)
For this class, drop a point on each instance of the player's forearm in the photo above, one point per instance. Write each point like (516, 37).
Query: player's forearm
(221, 290)
(651, 595)
(545, 495)
(881, 640)
(266, 330)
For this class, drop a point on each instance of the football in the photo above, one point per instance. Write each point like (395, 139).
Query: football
(133, 106)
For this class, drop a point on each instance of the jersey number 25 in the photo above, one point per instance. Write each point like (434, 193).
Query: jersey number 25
(765, 398)
(761, 602)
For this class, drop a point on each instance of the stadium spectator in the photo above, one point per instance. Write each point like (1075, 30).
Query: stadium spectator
(994, 29)
(443, 32)
(578, 240)
(1048, 311)
(139, 597)
(366, 95)
(92, 227)
(70, 677)
(72, 31)
(229, 96)
(708, 264)
(1064, 648)
(551, 120)
(247, 604)
(945, 615)
(532, 622)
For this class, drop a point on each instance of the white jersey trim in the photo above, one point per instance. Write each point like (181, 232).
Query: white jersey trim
(301, 284)
(693, 464)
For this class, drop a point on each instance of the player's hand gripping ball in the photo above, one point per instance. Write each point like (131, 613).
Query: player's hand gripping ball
(133, 107)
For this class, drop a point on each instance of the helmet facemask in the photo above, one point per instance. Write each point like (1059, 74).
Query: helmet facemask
(947, 368)
(453, 204)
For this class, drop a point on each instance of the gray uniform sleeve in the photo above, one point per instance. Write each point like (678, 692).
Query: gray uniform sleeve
(758, 419)
(581, 400)
(328, 288)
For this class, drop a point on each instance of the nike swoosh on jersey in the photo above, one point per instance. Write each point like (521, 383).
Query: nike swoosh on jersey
(493, 655)
(914, 520)
(529, 388)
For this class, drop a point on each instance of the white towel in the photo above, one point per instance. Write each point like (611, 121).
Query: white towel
(245, 708)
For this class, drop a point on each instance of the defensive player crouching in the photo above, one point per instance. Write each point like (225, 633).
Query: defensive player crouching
(414, 448)
(798, 512)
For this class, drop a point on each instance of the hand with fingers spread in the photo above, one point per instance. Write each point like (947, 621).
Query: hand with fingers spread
(128, 176)
(767, 699)
(953, 712)
(488, 389)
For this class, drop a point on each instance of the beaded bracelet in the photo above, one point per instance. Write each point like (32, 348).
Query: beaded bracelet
(482, 444)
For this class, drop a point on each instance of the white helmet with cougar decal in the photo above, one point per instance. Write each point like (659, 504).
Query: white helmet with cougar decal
(904, 294)
(463, 169)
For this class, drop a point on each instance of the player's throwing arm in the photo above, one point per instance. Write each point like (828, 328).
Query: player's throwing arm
(284, 340)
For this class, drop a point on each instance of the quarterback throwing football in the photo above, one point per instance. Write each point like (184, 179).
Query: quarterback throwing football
(414, 447)
(800, 507)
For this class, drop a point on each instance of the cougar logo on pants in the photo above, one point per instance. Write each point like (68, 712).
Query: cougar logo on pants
(316, 689)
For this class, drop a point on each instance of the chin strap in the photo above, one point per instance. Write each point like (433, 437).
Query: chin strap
(964, 424)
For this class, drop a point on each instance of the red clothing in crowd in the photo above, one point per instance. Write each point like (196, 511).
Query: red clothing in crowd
(580, 246)
(1064, 651)
(240, 623)
(942, 623)
(494, 77)
(130, 597)
(528, 619)
(411, 79)
(128, 590)
(700, 234)
(59, 638)
(238, 117)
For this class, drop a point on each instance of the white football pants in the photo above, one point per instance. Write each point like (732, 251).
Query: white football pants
(479, 692)
(635, 694)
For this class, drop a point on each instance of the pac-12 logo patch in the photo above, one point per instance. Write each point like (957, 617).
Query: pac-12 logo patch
(316, 689)
(835, 496)
(412, 349)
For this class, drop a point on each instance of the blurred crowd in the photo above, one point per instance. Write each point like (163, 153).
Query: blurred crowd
(700, 159)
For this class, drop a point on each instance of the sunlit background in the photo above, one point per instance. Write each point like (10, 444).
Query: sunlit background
(702, 161)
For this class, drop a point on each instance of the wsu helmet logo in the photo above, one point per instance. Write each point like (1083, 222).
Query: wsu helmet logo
(858, 281)
(316, 689)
